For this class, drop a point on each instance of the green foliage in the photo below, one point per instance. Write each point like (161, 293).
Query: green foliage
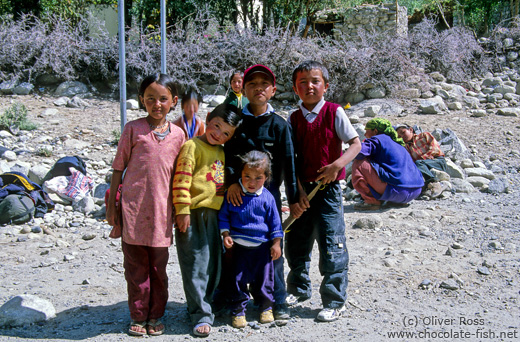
(45, 152)
(16, 116)
(116, 135)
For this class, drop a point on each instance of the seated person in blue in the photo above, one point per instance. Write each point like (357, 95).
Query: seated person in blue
(384, 170)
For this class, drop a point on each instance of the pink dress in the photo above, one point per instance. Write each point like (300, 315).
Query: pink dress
(146, 195)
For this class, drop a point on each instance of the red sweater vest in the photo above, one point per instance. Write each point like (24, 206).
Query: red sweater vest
(316, 144)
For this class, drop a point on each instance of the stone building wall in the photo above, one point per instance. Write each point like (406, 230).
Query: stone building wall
(348, 21)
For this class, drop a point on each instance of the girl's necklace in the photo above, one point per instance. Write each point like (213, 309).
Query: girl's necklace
(158, 127)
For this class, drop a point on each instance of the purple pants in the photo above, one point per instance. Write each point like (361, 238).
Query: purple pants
(147, 281)
(253, 266)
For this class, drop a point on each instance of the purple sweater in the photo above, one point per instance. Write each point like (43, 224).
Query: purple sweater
(256, 220)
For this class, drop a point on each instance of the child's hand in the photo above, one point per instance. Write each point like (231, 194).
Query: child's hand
(228, 242)
(296, 210)
(183, 222)
(303, 203)
(234, 194)
(276, 251)
(328, 173)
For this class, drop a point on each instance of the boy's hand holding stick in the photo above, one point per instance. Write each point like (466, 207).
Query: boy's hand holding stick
(291, 218)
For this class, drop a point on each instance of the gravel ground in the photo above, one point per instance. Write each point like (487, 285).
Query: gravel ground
(420, 272)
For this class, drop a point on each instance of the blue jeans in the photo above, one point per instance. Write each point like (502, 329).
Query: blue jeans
(322, 222)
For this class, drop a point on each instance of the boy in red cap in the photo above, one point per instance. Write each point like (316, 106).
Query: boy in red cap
(263, 130)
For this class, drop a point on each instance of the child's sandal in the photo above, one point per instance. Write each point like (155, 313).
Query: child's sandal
(139, 325)
(154, 324)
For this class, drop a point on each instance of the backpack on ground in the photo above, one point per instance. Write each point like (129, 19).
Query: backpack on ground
(18, 183)
(16, 209)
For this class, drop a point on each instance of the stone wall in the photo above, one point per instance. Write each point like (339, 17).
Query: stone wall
(348, 21)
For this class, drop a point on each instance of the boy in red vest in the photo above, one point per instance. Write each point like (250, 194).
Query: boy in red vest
(319, 129)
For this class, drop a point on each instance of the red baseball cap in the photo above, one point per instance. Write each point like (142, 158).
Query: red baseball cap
(259, 68)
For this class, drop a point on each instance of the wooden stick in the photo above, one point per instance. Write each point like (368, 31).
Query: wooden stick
(291, 218)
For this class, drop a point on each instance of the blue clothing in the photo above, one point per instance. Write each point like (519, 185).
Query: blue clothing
(256, 220)
(325, 223)
(393, 163)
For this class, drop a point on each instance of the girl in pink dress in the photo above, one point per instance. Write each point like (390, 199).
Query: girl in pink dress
(146, 155)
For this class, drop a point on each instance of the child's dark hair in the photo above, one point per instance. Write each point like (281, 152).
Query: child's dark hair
(258, 159)
(191, 94)
(308, 66)
(161, 79)
(235, 72)
(228, 113)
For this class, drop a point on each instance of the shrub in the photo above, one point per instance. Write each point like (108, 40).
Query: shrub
(16, 116)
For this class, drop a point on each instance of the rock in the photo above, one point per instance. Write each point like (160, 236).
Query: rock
(37, 173)
(495, 245)
(372, 222)
(435, 105)
(479, 172)
(477, 181)
(419, 214)
(440, 175)
(466, 163)
(88, 236)
(77, 102)
(288, 96)
(84, 205)
(62, 101)
(478, 113)
(504, 89)
(509, 112)
(23, 88)
(6, 87)
(4, 167)
(492, 82)
(25, 310)
(372, 111)
(376, 93)
(71, 88)
(483, 270)
(48, 112)
(437, 76)
(460, 185)
(354, 98)
(409, 93)
(498, 186)
(76, 144)
(9, 156)
(449, 141)
(214, 100)
(471, 102)
(388, 107)
(132, 104)
(455, 106)
(449, 284)
(21, 167)
(425, 284)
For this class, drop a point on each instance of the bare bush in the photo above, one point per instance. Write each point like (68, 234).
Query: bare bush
(204, 53)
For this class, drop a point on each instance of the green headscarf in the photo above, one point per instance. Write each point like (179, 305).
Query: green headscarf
(384, 126)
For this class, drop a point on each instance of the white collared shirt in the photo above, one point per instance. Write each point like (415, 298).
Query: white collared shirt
(344, 128)
(270, 110)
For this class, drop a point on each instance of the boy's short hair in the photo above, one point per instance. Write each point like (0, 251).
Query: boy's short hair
(258, 159)
(162, 80)
(228, 113)
(259, 68)
(308, 66)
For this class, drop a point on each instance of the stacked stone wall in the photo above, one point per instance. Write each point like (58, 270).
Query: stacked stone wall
(380, 18)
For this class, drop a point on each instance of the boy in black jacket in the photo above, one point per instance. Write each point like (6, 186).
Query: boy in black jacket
(265, 131)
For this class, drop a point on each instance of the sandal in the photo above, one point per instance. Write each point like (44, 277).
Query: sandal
(154, 324)
(141, 325)
(201, 334)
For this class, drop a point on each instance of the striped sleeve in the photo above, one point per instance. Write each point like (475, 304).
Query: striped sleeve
(183, 179)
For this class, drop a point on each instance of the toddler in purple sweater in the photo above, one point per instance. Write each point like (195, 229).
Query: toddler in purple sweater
(252, 233)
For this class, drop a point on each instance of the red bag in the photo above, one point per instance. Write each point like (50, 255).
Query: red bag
(117, 229)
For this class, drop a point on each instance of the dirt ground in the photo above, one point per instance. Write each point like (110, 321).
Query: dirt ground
(397, 277)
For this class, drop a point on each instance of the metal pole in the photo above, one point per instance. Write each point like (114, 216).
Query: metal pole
(163, 36)
(122, 63)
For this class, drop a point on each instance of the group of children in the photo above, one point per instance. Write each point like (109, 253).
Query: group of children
(221, 188)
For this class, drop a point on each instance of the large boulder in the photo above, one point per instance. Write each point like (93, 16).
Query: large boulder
(71, 88)
(25, 310)
(435, 105)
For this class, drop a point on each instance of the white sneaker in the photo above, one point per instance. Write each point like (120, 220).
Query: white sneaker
(329, 315)
(291, 300)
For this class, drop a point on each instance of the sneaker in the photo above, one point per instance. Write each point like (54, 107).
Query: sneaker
(281, 312)
(238, 322)
(293, 300)
(266, 316)
(329, 315)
